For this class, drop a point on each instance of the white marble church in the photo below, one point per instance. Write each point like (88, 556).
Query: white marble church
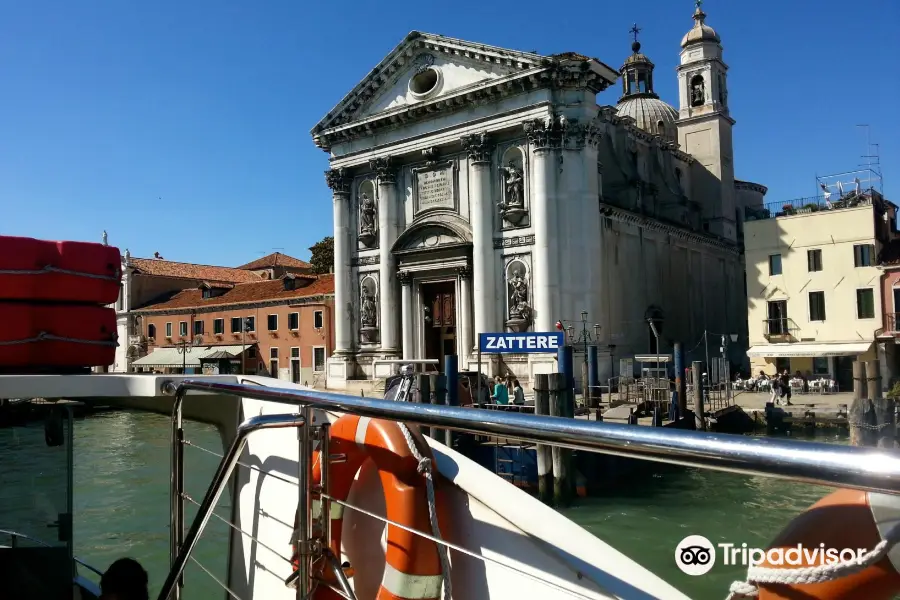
(479, 189)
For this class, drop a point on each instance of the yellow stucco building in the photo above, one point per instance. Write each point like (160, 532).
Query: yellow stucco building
(814, 301)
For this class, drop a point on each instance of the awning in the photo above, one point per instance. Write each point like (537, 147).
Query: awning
(652, 358)
(170, 357)
(808, 350)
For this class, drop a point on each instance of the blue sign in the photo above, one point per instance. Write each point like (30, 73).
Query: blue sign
(529, 342)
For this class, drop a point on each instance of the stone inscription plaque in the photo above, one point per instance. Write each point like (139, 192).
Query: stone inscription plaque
(434, 189)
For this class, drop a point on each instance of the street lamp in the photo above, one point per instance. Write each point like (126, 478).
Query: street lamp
(583, 338)
(245, 329)
(184, 348)
(656, 335)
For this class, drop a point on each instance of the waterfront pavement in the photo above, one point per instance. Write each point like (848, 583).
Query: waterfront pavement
(755, 401)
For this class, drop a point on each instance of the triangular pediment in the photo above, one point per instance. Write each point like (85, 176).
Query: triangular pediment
(458, 65)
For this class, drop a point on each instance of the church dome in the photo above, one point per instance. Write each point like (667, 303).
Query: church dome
(650, 114)
(639, 101)
(700, 32)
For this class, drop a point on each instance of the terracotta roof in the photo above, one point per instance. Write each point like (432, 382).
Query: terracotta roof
(167, 268)
(244, 293)
(276, 259)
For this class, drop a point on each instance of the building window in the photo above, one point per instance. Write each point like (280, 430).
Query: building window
(318, 359)
(182, 328)
(318, 319)
(251, 352)
(295, 352)
(273, 352)
(198, 327)
(294, 321)
(273, 322)
(774, 264)
(168, 330)
(250, 323)
(218, 326)
(863, 255)
(820, 365)
(151, 330)
(777, 323)
(817, 306)
(235, 324)
(814, 260)
(865, 304)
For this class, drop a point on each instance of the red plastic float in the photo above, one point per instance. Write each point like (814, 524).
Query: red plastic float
(36, 270)
(56, 335)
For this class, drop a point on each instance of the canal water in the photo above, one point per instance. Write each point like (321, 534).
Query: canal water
(122, 503)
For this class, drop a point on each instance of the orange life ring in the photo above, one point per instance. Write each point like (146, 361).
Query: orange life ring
(412, 563)
(844, 519)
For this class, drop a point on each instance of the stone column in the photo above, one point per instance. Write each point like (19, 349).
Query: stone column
(544, 139)
(408, 323)
(387, 235)
(465, 315)
(339, 182)
(484, 281)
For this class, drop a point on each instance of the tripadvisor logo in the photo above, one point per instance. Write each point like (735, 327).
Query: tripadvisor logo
(696, 555)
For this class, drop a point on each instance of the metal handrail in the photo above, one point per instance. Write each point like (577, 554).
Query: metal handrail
(808, 462)
(14, 535)
(217, 486)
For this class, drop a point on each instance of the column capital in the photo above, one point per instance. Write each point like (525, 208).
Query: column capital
(479, 148)
(464, 272)
(338, 180)
(385, 169)
(404, 277)
(559, 132)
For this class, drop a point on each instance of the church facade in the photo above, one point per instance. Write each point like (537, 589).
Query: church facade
(478, 189)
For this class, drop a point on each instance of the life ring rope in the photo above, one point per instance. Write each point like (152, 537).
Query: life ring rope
(426, 468)
(807, 575)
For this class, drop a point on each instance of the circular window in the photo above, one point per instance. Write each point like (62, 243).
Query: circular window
(425, 82)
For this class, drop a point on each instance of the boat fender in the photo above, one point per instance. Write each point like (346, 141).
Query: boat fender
(844, 547)
(413, 565)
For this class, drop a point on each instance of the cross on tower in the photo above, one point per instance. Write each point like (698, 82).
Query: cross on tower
(635, 30)
(698, 4)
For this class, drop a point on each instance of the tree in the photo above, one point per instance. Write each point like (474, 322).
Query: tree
(322, 258)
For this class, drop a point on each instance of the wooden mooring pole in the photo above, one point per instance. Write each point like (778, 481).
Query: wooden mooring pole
(544, 454)
(697, 376)
(562, 457)
(439, 398)
(871, 417)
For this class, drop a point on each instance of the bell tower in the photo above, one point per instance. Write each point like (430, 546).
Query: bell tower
(705, 125)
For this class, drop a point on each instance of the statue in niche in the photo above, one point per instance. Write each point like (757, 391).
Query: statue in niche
(512, 209)
(519, 310)
(698, 91)
(366, 219)
(367, 313)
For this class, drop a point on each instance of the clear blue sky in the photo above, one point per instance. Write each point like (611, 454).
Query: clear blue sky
(183, 126)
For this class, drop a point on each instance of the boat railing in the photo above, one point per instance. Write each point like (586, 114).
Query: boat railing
(15, 537)
(808, 462)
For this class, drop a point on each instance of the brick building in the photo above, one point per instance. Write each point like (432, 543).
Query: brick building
(279, 327)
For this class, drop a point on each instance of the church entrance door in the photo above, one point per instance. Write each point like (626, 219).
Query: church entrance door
(439, 300)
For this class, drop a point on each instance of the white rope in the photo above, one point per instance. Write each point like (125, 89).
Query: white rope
(425, 467)
(49, 337)
(806, 575)
(51, 269)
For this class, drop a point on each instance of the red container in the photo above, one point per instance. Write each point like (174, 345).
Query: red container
(36, 270)
(48, 335)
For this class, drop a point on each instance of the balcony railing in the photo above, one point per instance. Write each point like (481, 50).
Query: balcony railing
(782, 328)
(891, 322)
(799, 206)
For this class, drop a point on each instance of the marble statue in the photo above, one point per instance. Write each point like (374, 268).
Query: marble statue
(515, 196)
(367, 215)
(518, 297)
(367, 311)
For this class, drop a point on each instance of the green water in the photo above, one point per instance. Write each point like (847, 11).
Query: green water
(122, 503)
